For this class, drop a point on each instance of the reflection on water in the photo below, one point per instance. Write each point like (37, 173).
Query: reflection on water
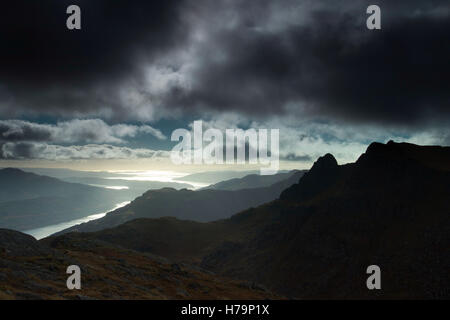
(43, 232)
(111, 187)
(152, 175)
(195, 185)
(155, 175)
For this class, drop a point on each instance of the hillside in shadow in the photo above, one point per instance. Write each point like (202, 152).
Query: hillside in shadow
(390, 208)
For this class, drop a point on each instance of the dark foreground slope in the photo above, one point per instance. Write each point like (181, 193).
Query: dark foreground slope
(202, 205)
(33, 270)
(391, 208)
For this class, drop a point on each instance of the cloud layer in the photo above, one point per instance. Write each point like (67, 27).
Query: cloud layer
(154, 59)
(43, 151)
(28, 140)
(44, 67)
(84, 131)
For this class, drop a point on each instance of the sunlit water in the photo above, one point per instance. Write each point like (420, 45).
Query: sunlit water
(111, 187)
(155, 175)
(43, 232)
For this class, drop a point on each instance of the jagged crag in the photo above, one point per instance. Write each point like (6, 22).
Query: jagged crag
(390, 208)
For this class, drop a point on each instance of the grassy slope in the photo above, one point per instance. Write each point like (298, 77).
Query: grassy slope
(108, 272)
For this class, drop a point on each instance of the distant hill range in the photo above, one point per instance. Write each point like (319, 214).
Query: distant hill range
(107, 179)
(30, 201)
(256, 181)
(211, 177)
(390, 208)
(201, 205)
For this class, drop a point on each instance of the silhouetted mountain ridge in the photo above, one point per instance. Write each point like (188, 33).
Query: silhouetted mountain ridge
(322, 175)
(390, 208)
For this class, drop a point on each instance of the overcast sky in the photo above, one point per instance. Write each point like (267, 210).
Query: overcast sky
(109, 95)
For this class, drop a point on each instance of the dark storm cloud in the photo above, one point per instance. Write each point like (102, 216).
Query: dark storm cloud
(44, 66)
(43, 151)
(294, 157)
(84, 131)
(306, 58)
(333, 66)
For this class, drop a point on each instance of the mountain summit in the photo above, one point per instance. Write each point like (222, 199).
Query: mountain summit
(322, 174)
(390, 208)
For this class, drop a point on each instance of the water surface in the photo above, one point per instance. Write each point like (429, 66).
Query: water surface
(43, 232)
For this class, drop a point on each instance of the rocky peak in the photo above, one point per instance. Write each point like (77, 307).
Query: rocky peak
(323, 174)
(325, 162)
(382, 155)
